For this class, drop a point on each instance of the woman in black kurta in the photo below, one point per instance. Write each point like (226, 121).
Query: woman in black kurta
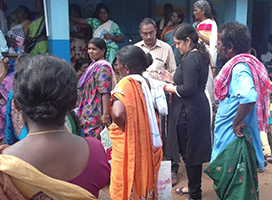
(189, 114)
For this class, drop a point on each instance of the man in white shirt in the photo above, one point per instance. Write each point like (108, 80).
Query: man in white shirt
(161, 52)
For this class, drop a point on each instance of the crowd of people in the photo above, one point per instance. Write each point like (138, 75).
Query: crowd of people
(155, 98)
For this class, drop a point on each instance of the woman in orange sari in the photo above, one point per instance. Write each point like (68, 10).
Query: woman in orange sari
(136, 142)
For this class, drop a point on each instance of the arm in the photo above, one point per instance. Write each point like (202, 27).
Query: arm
(12, 42)
(105, 119)
(205, 39)
(119, 114)
(237, 123)
(114, 33)
(245, 93)
(103, 85)
(78, 20)
(117, 38)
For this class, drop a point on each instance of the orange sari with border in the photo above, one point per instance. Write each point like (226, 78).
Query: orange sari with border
(135, 164)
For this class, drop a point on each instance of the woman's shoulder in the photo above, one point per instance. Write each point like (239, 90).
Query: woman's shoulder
(195, 57)
(92, 141)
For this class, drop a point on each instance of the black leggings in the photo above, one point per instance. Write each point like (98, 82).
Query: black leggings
(194, 172)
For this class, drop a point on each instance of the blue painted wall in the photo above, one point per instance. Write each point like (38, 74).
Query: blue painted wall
(58, 26)
(128, 21)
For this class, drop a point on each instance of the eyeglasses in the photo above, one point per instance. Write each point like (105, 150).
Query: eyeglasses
(145, 34)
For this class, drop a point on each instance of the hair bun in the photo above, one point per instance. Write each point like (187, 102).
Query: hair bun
(148, 60)
(44, 112)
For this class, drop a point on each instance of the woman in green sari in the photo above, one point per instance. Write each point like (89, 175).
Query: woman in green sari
(36, 41)
(106, 29)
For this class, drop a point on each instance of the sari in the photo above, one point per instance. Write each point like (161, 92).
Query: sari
(208, 28)
(36, 30)
(98, 79)
(100, 29)
(21, 181)
(78, 46)
(234, 170)
(135, 162)
(5, 87)
(168, 37)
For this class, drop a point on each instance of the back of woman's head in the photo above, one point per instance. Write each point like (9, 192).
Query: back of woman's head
(21, 58)
(184, 31)
(134, 57)
(99, 43)
(45, 88)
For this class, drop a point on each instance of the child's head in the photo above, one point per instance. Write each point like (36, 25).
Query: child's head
(115, 65)
(81, 65)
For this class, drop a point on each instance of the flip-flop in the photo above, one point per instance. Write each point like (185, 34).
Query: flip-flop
(268, 158)
(181, 193)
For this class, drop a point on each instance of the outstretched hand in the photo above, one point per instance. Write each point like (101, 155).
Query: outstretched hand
(164, 75)
(237, 129)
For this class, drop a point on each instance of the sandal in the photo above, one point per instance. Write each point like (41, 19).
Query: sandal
(181, 193)
(268, 158)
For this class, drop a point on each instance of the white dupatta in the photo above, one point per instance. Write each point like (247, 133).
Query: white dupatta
(154, 98)
(102, 29)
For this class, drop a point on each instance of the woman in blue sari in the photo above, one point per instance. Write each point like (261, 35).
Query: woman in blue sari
(167, 33)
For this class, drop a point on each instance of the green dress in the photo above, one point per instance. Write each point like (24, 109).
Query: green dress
(112, 47)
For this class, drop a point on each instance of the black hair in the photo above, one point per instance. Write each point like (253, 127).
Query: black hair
(134, 57)
(169, 6)
(76, 8)
(26, 10)
(102, 6)
(236, 35)
(213, 11)
(114, 60)
(205, 6)
(146, 21)
(186, 30)
(99, 43)
(79, 62)
(22, 57)
(45, 89)
(180, 15)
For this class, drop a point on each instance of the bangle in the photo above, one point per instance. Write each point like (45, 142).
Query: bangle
(106, 116)
(164, 87)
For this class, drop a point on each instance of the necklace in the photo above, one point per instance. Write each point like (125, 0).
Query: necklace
(43, 132)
